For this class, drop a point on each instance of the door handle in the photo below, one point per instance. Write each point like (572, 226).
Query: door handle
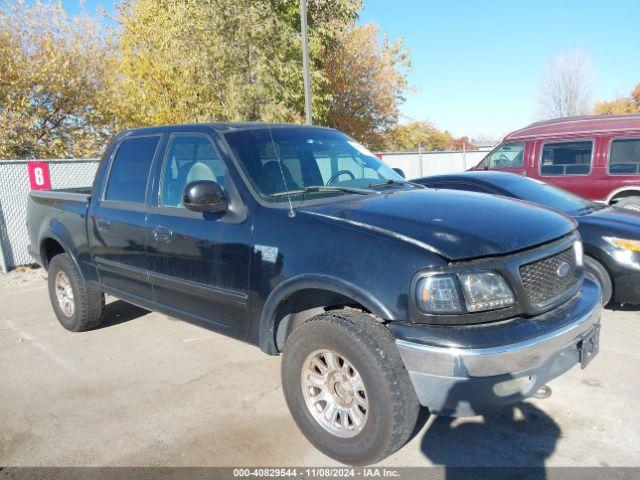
(102, 224)
(162, 233)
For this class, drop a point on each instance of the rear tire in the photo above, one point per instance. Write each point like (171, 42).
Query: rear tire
(78, 306)
(601, 274)
(630, 203)
(368, 367)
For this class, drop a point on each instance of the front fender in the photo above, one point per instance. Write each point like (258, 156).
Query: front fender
(266, 339)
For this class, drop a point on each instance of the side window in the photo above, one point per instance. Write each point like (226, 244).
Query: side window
(129, 170)
(624, 157)
(566, 158)
(189, 158)
(509, 155)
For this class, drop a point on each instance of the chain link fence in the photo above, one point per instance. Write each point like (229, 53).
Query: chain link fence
(15, 187)
(14, 191)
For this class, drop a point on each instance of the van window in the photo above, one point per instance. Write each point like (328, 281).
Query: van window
(624, 158)
(130, 169)
(189, 158)
(566, 158)
(509, 155)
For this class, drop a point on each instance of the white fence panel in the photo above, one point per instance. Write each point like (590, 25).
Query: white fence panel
(433, 163)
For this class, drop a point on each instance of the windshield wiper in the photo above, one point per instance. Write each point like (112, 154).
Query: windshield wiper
(395, 182)
(323, 188)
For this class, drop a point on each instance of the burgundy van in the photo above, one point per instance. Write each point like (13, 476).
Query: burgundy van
(596, 157)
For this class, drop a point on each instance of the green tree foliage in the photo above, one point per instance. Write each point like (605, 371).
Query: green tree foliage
(199, 60)
(67, 84)
(51, 84)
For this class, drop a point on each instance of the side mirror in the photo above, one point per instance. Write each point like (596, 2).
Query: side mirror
(204, 196)
(400, 172)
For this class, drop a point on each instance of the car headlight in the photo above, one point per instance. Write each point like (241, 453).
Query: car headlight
(625, 244)
(449, 294)
(438, 294)
(485, 291)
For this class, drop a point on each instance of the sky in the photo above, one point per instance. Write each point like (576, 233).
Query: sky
(477, 64)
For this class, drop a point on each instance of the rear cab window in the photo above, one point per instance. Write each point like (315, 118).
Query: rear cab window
(624, 157)
(508, 155)
(129, 170)
(566, 158)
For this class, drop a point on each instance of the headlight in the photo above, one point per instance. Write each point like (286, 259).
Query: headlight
(438, 294)
(633, 245)
(485, 291)
(441, 294)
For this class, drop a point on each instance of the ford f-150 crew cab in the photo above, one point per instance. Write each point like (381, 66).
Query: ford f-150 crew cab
(381, 295)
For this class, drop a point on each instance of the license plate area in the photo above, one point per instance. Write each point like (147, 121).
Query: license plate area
(589, 346)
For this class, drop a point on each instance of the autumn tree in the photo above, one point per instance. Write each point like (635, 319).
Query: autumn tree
(566, 86)
(190, 61)
(51, 88)
(620, 105)
(367, 81)
(415, 135)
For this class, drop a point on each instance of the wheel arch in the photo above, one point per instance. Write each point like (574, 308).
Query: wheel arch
(51, 244)
(303, 295)
(622, 192)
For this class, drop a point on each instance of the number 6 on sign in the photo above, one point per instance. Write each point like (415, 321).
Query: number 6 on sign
(39, 177)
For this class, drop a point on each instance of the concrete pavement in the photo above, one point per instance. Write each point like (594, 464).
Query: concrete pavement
(149, 390)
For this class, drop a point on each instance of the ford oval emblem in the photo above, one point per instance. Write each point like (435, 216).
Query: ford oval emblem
(563, 269)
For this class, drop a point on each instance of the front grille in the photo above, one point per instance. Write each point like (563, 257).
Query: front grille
(543, 280)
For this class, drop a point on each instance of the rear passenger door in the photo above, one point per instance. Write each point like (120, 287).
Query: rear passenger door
(117, 225)
(198, 262)
(623, 163)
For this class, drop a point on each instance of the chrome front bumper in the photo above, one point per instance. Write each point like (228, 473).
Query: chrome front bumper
(465, 380)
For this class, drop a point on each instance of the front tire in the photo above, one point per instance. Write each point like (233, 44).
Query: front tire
(630, 203)
(347, 388)
(601, 274)
(78, 306)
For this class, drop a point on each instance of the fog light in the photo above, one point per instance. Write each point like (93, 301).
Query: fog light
(513, 386)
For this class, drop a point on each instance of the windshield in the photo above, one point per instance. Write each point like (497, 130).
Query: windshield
(278, 160)
(507, 155)
(538, 192)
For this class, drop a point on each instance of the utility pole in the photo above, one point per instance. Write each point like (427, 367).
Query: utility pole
(305, 60)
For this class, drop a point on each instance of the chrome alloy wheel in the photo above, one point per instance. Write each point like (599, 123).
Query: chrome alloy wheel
(64, 294)
(334, 393)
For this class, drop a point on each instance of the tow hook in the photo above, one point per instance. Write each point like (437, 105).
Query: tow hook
(542, 392)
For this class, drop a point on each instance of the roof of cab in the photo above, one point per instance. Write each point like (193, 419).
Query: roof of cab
(587, 124)
(220, 126)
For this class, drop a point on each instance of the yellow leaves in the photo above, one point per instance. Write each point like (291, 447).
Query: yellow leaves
(366, 81)
(68, 83)
(51, 79)
(620, 105)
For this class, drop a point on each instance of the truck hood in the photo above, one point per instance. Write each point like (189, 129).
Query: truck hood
(456, 225)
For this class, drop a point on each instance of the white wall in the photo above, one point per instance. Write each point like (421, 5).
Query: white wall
(433, 163)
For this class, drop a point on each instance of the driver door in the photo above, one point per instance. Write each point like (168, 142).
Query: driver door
(198, 261)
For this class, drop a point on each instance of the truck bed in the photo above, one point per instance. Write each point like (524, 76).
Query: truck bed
(59, 214)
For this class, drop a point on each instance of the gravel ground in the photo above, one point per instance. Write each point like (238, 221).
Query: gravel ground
(148, 390)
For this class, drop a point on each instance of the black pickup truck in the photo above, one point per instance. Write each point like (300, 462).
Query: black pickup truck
(382, 295)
